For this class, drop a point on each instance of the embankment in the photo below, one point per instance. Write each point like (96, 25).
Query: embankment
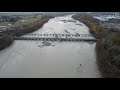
(107, 46)
(94, 25)
(5, 40)
(108, 55)
(20, 28)
(28, 26)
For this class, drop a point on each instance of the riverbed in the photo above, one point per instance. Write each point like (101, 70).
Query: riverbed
(56, 59)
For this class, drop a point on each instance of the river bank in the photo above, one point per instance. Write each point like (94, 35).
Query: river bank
(107, 46)
(21, 27)
(5, 40)
(28, 59)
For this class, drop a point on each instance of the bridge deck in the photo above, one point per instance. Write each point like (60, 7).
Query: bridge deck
(57, 37)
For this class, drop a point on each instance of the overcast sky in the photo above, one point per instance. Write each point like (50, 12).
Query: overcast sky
(48, 13)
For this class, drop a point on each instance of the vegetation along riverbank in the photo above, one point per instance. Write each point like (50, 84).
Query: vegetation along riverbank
(21, 27)
(107, 46)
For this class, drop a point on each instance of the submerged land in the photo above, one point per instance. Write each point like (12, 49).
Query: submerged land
(107, 34)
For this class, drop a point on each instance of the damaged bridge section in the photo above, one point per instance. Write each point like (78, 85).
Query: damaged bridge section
(57, 37)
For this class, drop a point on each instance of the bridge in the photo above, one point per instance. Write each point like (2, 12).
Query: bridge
(57, 37)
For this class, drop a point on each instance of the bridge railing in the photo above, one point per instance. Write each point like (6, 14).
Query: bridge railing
(60, 35)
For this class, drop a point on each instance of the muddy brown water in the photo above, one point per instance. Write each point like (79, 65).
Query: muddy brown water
(54, 59)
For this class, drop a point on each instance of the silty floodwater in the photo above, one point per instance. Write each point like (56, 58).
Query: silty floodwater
(54, 59)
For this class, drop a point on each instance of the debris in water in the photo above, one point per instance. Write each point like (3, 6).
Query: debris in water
(66, 31)
(79, 24)
(80, 64)
(40, 46)
(77, 34)
(53, 45)
(45, 43)
(91, 42)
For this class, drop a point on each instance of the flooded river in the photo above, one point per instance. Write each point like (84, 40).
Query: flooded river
(54, 59)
